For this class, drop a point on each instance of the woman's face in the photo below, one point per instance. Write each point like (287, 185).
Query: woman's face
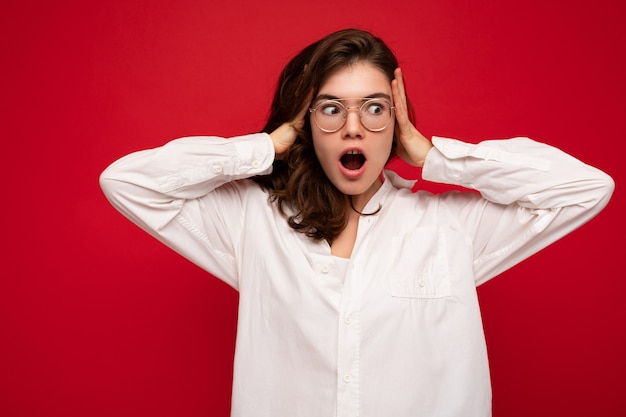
(353, 157)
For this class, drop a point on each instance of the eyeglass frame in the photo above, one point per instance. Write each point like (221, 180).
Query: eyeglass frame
(345, 118)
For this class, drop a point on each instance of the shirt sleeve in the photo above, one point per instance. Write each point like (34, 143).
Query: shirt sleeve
(532, 195)
(186, 194)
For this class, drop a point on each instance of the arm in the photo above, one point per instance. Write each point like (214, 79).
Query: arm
(179, 194)
(533, 194)
(186, 195)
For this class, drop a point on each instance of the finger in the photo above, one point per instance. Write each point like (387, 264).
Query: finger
(299, 119)
(399, 98)
(399, 94)
(306, 104)
(398, 75)
(397, 102)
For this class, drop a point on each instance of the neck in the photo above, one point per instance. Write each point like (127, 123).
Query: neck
(357, 203)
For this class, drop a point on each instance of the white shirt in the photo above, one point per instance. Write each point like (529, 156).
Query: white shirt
(401, 334)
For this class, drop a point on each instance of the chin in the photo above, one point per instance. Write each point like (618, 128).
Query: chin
(358, 187)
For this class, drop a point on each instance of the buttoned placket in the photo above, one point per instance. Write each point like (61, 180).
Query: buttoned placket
(348, 374)
(349, 336)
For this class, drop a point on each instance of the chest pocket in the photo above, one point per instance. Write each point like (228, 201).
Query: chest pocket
(421, 265)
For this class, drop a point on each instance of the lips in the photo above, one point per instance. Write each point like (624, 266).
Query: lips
(352, 164)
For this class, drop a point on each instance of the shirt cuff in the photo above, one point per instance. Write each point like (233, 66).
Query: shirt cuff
(254, 153)
(444, 163)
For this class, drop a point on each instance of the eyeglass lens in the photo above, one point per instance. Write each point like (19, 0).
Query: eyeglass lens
(331, 115)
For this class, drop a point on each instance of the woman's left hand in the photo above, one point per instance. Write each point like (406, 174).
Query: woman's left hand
(412, 146)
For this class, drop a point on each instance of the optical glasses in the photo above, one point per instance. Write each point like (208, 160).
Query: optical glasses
(331, 115)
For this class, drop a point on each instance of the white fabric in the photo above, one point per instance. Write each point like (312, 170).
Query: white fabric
(341, 265)
(402, 335)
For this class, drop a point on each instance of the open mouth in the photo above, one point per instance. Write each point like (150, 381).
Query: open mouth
(352, 160)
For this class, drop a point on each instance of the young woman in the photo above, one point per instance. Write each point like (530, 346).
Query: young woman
(357, 296)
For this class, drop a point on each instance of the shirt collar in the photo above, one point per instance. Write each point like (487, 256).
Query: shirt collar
(391, 181)
(397, 181)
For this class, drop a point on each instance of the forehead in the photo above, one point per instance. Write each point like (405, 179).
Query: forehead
(359, 80)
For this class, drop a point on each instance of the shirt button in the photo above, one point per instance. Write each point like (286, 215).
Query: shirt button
(325, 269)
(347, 378)
(347, 319)
(255, 164)
(217, 169)
(421, 283)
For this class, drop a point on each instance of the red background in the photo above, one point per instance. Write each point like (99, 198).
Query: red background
(98, 319)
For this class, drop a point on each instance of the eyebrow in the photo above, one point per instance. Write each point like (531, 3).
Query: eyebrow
(331, 97)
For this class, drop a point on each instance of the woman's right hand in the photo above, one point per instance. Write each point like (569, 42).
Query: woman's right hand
(285, 135)
(412, 145)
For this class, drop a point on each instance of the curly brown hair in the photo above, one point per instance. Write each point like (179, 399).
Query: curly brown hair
(316, 207)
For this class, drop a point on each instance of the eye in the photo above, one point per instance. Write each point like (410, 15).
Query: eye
(375, 108)
(330, 109)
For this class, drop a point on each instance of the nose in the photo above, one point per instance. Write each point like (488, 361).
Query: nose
(353, 127)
